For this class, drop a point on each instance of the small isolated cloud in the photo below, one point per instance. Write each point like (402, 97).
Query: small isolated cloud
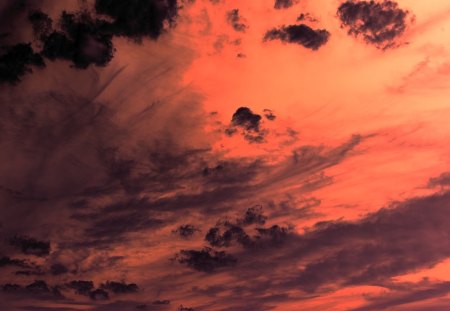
(236, 20)
(306, 17)
(300, 34)
(249, 123)
(283, 4)
(378, 23)
(269, 114)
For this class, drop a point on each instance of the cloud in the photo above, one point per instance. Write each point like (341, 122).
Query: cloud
(442, 180)
(138, 18)
(230, 234)
(205, 260)
(31, 246)
(253, 215)
(81, 41)
(283, 4)
(81, 287)
(378, 23)
(42, 24)
(413, 292)
(269, 114)
(18, 60)
(385, 244)
(99, 294)
(186, 230)
(38, 289)
(249, 123)
(300, 34)
(6, 261)
(235, 20)
(119, 287)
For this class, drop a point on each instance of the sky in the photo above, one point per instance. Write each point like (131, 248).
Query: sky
(224, 155)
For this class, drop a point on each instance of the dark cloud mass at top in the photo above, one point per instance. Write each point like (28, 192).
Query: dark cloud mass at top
(379, 23)
(300, 34)
(82, 40)
(85, 38)
(138, 18)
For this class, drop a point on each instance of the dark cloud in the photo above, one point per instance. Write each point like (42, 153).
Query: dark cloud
(11, 287)
(118, 224)
(31, 246)
(232, 172)
(138, 18)
(206, 260)
(283, 4)
(378, 23)
(253, 216)
(99, 294)
(82, 40)
(38, 286)
(6, 261)
(119, 287)
(186, 230)
(245, 118)
(269, 114)
(218, 237)
(273, 234)
(412, 293)
(161, 302)
(306, 17)
(235, 20)
(81, 287)
(16, 61)
(38, 289)
(390, 242)
(57, 269)
(442, 180)
(301, 34)
(249, 122)
(42, 24)
(182, 308)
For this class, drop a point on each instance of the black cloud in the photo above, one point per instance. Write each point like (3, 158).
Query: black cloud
(81, 287)
(82, 40)
(186, 230)
(235, 20)
(249, 123)
(138, 18)
(301, 34)
(17, 60)
(283, 4)
(31, 246)
(205, 260)
(378, 23)
(119, 287)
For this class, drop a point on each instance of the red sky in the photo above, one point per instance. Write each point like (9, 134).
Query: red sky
(224, 155)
